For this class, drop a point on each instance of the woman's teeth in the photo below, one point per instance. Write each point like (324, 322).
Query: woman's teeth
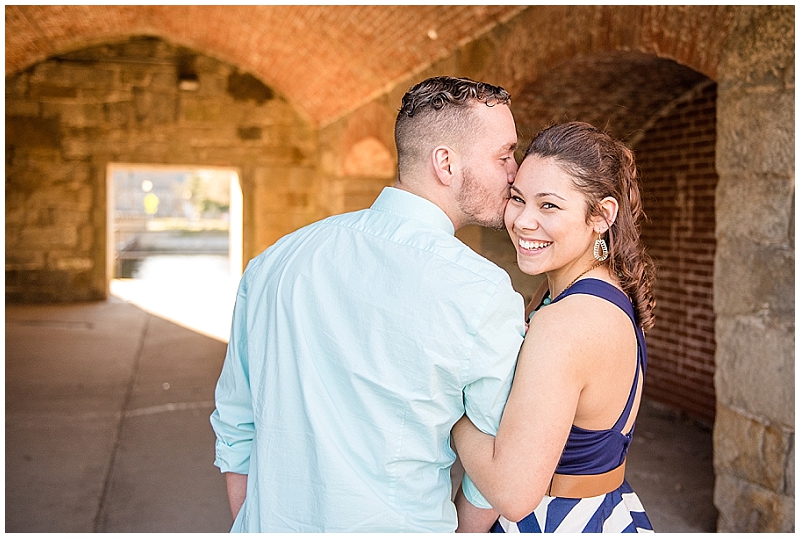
(534, 245)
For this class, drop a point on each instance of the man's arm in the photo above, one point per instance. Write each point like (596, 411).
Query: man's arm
(237, 489)
(493, 361)
(232, 419)
(470, 517)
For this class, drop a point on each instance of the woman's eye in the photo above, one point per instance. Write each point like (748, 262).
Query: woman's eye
(517, 199)
(548, 205)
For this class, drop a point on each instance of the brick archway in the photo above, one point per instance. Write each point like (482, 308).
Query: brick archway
(68, 118)
(655, 106)
(353, 54)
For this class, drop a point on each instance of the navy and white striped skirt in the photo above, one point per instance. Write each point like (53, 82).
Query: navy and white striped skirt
(618, 511)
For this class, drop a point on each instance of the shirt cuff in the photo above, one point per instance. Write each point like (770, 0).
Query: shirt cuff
(472, 494)
(230, 460)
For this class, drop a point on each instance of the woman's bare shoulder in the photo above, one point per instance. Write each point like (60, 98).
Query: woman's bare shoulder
(580, 306)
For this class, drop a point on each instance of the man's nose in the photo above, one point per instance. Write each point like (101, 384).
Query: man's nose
(512, 172)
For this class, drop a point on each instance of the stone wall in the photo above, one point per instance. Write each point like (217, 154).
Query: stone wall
(357, 157)
(69, 117)
(754, 434)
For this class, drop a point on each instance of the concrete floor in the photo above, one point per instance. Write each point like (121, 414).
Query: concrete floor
(107, 430)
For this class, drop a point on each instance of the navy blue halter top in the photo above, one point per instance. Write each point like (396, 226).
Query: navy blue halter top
(598, 451)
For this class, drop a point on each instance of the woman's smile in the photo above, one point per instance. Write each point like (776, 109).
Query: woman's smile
(532, 245)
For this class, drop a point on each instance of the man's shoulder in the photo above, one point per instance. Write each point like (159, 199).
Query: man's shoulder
(465, 257)
(312, 228)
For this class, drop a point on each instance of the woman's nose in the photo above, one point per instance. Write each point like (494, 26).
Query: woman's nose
(526, 221)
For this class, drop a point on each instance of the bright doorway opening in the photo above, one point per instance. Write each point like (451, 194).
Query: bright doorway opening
(175, 242)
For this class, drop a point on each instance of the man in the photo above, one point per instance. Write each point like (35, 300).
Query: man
(358, 341)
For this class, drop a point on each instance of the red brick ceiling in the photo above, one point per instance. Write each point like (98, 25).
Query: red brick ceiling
(325, 59)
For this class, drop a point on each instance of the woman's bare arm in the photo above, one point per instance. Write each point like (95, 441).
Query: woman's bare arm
(513, 470)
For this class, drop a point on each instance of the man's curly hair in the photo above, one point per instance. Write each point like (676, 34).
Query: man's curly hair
(437, 111)
(440, 92)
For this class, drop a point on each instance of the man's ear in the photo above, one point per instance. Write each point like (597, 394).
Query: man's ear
(609, 207)
(444, 164)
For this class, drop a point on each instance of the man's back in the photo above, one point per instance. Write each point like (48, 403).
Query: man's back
(360, 339)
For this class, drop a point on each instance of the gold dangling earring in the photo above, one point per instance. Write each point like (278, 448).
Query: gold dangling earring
(600, 245)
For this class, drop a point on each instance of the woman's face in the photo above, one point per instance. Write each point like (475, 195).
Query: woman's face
(546, 219)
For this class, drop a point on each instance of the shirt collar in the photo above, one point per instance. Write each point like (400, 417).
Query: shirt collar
(411, 206)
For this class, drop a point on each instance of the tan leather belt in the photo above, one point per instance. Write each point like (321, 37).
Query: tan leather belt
(583, 486)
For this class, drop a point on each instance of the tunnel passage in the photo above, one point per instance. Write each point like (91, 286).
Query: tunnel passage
(666, 113)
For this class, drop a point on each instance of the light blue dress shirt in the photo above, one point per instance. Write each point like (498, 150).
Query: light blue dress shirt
(357, 342)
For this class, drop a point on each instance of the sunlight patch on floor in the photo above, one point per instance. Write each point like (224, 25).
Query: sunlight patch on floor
(196, 292)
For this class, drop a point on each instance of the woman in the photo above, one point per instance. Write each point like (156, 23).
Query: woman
(573, 216)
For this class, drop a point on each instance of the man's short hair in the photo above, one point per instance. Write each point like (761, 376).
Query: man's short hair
(439, 111)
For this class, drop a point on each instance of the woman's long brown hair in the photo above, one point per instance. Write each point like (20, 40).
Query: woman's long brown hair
(602, 166)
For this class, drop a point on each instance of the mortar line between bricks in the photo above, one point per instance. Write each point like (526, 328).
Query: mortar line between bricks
(101, 508)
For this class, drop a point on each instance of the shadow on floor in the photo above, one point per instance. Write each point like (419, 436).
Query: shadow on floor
(671, 468)
(107, 430)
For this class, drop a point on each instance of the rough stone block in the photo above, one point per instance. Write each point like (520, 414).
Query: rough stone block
(86, 238)
(22, 108)
(46, 90)
(760, 52)
(70, 114)
(249, 133)
(93, 76)
(24, 260)
(26, 132)
(755, 143)
(74, 264)
(751, 450)
(63, 198)
(162, 109)
(751, 278)
(49, 237)
(273, 178)
(193, 110)
(74, 148)
(163, 80)
(296, 200)
(755, 366)
(17, 85)
(118, 114)
(135, 76)
(301, 178)
(789, 490)
(768, 202)
(744, 507)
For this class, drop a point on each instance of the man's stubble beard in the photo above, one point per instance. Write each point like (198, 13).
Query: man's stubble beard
(473, 201)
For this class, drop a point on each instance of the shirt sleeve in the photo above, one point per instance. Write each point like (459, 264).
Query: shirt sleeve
(232, 420)
(493, 360)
